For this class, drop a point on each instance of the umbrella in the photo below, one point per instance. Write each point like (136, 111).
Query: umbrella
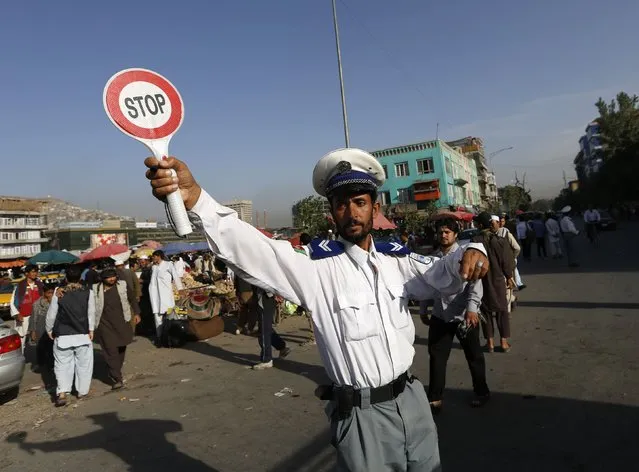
(265, 233)
(381, 222)
(151, 244)
(102, 252)
(143, 252)
(53, 257)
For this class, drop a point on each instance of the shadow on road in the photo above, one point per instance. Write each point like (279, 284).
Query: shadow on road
(141, 444)
(580, 305)
(515, 432)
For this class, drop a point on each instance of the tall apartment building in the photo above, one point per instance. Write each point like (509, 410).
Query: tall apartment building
(430, 171)
(21, 224)
(244, 209)
(473, 148)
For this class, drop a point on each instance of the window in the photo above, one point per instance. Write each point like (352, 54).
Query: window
(401, 169)
(425, 166)
(449, 168)
(451, 194)
(403, 195)
(385, 171)
(384, 198)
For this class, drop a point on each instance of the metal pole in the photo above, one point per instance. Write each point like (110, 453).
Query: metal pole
(341, 77)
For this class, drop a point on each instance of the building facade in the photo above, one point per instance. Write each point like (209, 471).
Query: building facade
(589, 159)
(473, 148)
(21, 224)
(244, 209)
(430, 171)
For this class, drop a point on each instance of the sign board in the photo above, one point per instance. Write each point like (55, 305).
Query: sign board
(103, 239)
(146, 106)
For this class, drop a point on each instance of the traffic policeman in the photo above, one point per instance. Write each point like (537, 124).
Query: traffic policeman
(357, 291)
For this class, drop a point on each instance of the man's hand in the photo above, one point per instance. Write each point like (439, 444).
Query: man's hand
(137, 319)
(91, 335)
(33, 336)
(164, 183)
(50, 334)
(472, 319)
(474, 265)
(19, 319)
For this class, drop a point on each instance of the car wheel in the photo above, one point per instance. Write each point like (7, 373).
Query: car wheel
(9, 395)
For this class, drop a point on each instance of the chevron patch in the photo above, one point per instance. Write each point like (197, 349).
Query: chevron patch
(323, 248)
(391, 248)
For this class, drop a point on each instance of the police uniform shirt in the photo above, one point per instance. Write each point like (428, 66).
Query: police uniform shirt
(358, 299)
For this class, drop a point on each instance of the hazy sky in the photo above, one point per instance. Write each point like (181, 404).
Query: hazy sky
(261, 93)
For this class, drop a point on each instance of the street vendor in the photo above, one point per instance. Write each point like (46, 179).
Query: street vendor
(357, 292)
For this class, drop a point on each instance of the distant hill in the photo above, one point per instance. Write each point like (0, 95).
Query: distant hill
(59, 211)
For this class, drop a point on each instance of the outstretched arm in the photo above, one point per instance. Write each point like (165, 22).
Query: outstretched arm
(271, 265)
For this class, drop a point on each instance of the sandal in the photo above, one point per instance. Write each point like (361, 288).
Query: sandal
(490, 348)
(61, 400)
(436, 407)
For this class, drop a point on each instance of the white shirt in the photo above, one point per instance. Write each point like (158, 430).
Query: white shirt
(554, 232)
(592, 216)
(567, 226)
(358, 299)
(180, 267)
(70, 340)
(161, 288)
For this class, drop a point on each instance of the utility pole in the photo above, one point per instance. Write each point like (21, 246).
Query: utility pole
(347, 140)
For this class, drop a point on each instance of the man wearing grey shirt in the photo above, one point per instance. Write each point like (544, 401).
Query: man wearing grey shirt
(455, 315)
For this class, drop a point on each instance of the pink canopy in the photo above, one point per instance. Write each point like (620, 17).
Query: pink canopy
(381, 222)
(102, 252)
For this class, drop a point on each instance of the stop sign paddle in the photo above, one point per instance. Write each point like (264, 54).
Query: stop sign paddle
(147, 107)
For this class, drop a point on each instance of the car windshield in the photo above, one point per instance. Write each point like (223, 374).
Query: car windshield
(7, 288)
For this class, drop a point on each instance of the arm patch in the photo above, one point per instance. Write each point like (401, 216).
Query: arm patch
(419, 258)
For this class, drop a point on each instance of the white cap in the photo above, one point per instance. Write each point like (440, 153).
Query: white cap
(494, 218)
(353, 166)
(566, 209)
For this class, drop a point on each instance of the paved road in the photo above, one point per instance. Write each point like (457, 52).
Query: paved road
(566, 398)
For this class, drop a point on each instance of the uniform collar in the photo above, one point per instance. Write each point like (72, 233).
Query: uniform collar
(359, 255)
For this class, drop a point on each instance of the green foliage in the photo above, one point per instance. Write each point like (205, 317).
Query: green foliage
(542, 205)
(414, 221)
(309, 215)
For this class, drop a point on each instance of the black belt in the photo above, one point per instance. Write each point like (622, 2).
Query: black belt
(347, 397)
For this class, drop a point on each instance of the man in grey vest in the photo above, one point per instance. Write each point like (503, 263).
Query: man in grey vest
(70, 323)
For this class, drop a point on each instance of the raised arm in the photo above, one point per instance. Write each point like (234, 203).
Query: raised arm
(425, 276)
(271, 265)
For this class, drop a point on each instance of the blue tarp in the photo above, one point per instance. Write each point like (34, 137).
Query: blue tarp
(177, 248)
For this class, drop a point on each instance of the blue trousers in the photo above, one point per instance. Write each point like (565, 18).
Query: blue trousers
(269, 339)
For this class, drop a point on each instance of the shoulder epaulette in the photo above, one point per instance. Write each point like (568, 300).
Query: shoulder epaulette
(323, 248)
(391, 249)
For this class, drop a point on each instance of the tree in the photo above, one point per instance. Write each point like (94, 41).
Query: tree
(309, 215)
(515, 197)
(414, 221)
(542, 205)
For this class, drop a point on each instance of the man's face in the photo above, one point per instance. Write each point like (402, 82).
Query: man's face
(494, 225)
(32, 274)
(502, 222)
(48, 295)
(110, 281)
(446, 236)
(353, 215)
(156, 259)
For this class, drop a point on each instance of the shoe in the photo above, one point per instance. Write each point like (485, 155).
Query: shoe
(521, 287)
(117, 386)
(263, 365)
(237, 331)
(480, 400)
(285, 352)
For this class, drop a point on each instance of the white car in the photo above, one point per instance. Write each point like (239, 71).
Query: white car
(11, 362)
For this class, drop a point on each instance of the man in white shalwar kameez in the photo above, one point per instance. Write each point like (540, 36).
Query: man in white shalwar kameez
(163, 277)
(70, 323)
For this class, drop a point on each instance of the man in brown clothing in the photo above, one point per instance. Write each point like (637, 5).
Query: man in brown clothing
(502, 265)
(115, 306)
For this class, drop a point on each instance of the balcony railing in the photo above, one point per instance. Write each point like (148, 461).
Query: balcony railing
(17, 242)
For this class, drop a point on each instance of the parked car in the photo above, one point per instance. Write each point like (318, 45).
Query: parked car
(11, 362)
(468, 234)
(607, 222)
(6, 290)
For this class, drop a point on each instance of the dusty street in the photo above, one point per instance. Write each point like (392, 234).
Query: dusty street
(566, 398)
